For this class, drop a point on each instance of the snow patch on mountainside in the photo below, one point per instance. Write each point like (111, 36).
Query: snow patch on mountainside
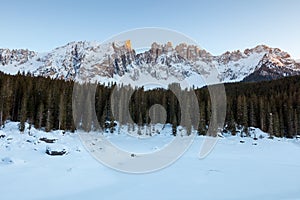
(235, 71)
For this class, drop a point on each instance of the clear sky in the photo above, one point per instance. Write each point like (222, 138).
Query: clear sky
(217, 26)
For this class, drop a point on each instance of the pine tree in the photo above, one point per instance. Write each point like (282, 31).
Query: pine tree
(23, 116)
(62, 113)
(270, 128)
(40, 116)
(49, 111)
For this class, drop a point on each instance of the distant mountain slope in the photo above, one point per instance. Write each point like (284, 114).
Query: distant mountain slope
(118, 62)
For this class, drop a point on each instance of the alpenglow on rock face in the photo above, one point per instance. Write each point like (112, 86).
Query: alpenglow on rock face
(112, 62)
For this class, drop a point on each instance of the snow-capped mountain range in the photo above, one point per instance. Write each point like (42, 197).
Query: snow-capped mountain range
(162, 63)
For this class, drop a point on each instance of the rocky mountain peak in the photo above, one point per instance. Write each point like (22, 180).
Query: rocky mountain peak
(15, 56)
(159, 49)
(122, 46)
(189, 52)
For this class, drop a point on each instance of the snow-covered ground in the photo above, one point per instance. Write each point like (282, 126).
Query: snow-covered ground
(251, 169)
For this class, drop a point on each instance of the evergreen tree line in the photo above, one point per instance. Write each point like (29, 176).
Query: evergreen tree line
(46, 104)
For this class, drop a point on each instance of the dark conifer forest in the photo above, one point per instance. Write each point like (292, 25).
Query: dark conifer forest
(272, 106)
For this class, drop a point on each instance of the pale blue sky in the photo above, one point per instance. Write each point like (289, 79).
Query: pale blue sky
(217, 26)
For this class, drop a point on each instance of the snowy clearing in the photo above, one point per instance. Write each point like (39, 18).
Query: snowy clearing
(237, 168)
